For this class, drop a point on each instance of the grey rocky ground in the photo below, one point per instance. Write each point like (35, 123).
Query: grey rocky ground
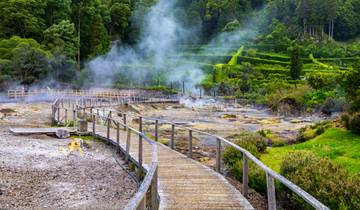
(40, 172)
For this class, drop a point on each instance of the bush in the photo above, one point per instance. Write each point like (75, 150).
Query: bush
(321, 178)
(319, 80)
(254, 138)
(332, 105)
(233, 161)
(352, 122)
(309, 132)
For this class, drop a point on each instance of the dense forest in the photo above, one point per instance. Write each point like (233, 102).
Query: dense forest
(39, 38)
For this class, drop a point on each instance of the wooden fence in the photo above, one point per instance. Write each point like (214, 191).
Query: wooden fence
(149, 184)
(220, 142)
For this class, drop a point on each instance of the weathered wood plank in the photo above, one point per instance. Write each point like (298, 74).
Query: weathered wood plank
(30, 131)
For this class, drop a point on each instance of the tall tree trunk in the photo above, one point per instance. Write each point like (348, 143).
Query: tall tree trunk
(332, 29)
(79, 39)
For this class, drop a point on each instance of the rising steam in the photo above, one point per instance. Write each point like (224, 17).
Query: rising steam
(155, 60)
(158, 59)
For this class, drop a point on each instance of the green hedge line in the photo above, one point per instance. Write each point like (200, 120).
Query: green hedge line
(254, 60)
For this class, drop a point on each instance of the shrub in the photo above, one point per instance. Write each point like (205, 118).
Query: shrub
(319, 80)
(251, 53)
(351, 122)
(254, 138)
(332, 105)
(309, 132)
(233, 161)
(321, 178)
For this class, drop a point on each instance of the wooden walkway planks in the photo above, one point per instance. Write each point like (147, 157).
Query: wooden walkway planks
(183, 182)
(30, 131)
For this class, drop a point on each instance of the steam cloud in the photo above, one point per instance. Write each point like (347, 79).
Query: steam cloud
(156, 56)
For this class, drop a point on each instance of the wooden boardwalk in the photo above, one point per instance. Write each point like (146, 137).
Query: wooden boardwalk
(183, 182)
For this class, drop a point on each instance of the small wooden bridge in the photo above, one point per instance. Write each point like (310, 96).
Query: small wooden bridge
(172, 180)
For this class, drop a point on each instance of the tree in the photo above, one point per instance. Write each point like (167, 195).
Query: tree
(120, 14)
(350, 82)
(61, 39)
(23, 60)
(92, 33)
(23, 18)
(57, 10)
(296, 63)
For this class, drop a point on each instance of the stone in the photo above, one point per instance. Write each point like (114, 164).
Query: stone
(62, 134)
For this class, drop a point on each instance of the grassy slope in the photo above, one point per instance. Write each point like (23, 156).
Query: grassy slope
(339, 145)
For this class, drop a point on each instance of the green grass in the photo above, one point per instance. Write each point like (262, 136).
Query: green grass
(340, 146)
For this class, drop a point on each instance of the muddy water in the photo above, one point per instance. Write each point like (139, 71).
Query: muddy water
(226, 119)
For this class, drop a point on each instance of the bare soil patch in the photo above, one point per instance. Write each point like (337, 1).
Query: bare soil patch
(40, 172)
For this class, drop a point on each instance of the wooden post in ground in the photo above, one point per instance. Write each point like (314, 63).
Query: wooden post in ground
(190, 143)
(156, 130)
(218, 155)
(58, 114)
(118, 135)
(108, 128)
(124, 119)
(140, 152)
(66, 113)
(128, 140)
(94, 123)
(271, 196)
(172, 143)
(245, 178)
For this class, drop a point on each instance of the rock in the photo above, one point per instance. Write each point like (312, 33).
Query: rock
(62, 133)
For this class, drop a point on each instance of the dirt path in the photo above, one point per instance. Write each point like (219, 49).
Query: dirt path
(40, 172)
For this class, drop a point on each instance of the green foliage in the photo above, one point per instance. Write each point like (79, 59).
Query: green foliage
(340, 145)
(26, 61)
(232, 26)
(323, 179)
(310, 132)
(22, 18)
(351, 122)
(62, 39)
(351, 85)
(255, 139)
(322, 80)
(120, 14)
(296, 63)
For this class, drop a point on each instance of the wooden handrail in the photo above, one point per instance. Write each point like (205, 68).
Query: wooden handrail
(138, 201)
(270, 174)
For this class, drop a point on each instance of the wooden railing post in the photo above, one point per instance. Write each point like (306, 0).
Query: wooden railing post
(66, 113)
(245, 178)
(140, 152)
(58, 114)
(94, 124)
(128, 140)
(124, 119)
(154, 191)
(118, 135)
(156, 130)
(53, 113)
(108, 128)
(172, 143)
(271, 196)
(74, 115)
(218, 155)
(190, 143)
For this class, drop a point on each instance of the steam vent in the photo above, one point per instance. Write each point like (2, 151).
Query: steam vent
(179, 104)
